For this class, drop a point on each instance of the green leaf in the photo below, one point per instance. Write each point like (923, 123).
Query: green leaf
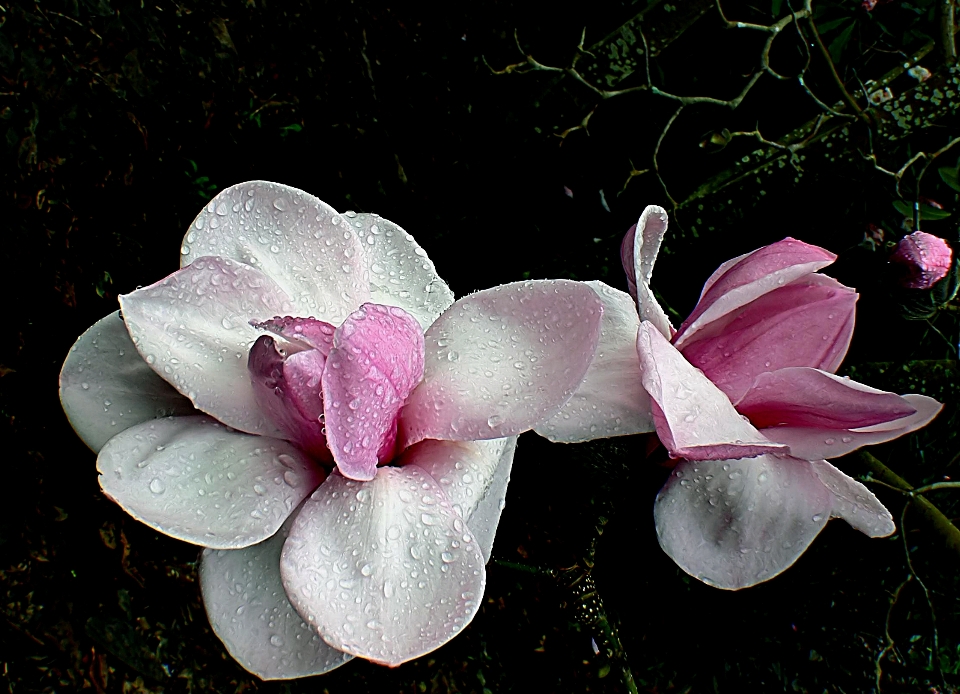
(926, 211)
(839, 43)
(949, 176)
(775, 7)
(832, 24)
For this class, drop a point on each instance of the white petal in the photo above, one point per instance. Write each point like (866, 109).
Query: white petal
(611, 400)
(735, 523)
(249, 610)
(106, 386)
(193, 328)
(651, 228)
(855, 503)
(401, 274)
(473, 476)
(196, 480)
(385, 569)
(500, 361)
(293, 237)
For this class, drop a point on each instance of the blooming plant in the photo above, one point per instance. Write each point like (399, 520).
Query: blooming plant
(304, 399)
(744, 396)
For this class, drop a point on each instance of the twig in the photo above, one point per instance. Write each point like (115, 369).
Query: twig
(890, 645)
(934, 660)
(888, 478)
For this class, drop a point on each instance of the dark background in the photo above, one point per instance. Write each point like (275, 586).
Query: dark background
(120, 120)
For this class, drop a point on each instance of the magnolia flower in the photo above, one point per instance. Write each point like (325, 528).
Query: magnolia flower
(925, 259)
(745, 396)
(304, 399)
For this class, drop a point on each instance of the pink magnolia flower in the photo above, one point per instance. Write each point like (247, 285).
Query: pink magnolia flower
(304, 399)
(925, 259)
(745, 396)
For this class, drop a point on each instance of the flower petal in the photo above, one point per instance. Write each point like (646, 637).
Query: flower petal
(385, 570)
(304, 332)
(193, 328)
(376, 362)
(806, 323)
(610, 401)
(292, 237)
(473, 476)
(854, 503)
(196, 480)
(249, 610)
(639, 261)
(287, 390)
(924, 258)
(106, 386)
(401, 274)
(812, 398)
(501, 360)
(735, 523)
(755, 274)
(694, 419)
(815, 443)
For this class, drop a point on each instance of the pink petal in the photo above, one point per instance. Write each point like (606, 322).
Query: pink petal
(308, 333)
(735, 523)
(756, 274)
(610, 401)
(473, 476)
(375, 364)
(815, 443)
(854, 503)
(401, 274)
(293, 237)
(287, 390)
(925, 258)
(807, 323)
(501, 360)
(385, 569)
(249, 611)
(107, 387)
(694, 419)
(646, 245)
(196, 480)
(193, 328)
(811, 398)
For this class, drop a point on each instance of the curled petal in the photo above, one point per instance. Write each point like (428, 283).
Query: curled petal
(735, 284)
(735, 523)
(638, 262)
(610, 401)
(193, 328)
(813, 398)
(249, 610)
(401, 274)
(289, 235)
(854, 503)
(377, 360)
(196, 480)
(816, 443)
(107, 387)
(287, 390)
(501, 360)
(694, 419)
(385, 570)
(473, 476)
(806, 323)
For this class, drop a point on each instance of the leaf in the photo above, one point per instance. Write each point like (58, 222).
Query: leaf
(832, 24)
(949, 176)
(838, 44)
(926, 211)
(775, 7)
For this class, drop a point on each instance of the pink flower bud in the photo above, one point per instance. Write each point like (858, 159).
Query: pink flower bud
(926, 259)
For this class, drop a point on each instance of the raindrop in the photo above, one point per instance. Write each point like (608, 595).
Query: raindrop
(366, 569)
(276, 641)
(156, 486)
